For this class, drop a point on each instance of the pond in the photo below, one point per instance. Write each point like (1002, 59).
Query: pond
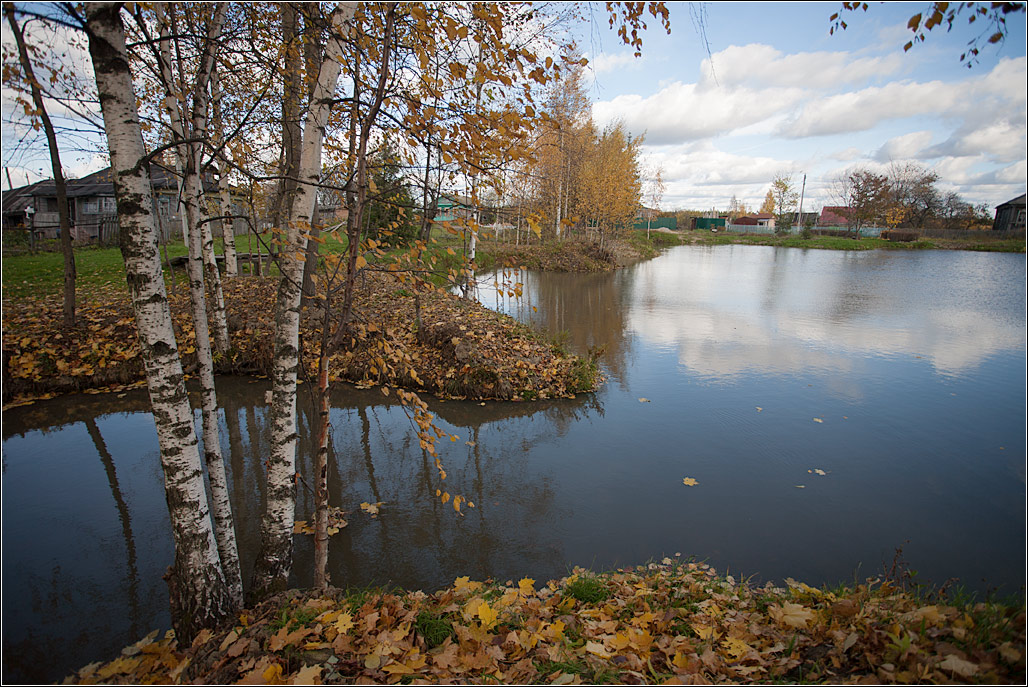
(752, 370)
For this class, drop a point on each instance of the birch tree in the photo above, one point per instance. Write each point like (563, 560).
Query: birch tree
(271, 571)
(198, 592)
(188, 153)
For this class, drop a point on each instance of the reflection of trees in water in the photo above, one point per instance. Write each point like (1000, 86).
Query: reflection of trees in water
(132, 583)
(590, 307)
(417, 540)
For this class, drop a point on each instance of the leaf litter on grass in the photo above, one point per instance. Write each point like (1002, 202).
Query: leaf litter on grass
(669, 623)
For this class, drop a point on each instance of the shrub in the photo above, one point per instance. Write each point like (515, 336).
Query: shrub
(896, 235)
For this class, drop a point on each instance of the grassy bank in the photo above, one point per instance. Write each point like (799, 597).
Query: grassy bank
(986, 243)
(664, 623)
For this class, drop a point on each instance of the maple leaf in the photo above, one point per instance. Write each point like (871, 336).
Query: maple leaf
(793, 615)
(486, 615)
(344, 623)
(689, 482)
(308, 675)
(959, 666)
(736, 648)
(526, 586)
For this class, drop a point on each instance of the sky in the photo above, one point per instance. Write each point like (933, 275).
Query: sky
(778, 94)
(771, 92)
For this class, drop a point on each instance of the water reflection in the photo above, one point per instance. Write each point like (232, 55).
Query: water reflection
(820, 308)
(730, 311)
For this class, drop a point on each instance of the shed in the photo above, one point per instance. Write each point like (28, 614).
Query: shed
(708, 223)
(759, 219)
(1010, 215)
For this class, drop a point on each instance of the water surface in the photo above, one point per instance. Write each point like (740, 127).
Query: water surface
(914, 363)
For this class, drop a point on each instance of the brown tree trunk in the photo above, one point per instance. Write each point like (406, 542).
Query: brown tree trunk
(55, 165)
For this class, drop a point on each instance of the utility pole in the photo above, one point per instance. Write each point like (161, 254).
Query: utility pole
(799, 215)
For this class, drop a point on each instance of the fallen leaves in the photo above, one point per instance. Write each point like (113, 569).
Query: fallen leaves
(495, 357)
(372, 509)
(689, 482)
(336, 522)
(663, 623)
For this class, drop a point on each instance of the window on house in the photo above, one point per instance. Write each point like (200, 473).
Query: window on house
(91, 206)
(51, 205)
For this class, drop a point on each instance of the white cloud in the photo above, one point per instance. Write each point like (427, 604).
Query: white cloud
(1000, 93)
(907, 146)
(763, 66)
(603, 63)
(847, 155)
(1004, 141)
(685, 112)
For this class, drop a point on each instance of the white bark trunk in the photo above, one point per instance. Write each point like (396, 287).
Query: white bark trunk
(199, 596)
(201, 101)
(228, 235)
(271, 571)
(191, 191)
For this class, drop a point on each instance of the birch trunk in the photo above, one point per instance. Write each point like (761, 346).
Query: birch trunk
(202, 223)
(199, 595)
(191, 191)
(228, 234)
(271, 570)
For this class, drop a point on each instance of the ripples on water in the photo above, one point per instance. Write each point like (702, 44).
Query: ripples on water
(914, 362)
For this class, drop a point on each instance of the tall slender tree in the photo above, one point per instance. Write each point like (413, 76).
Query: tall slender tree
(271, 571)
(60, 185)
(199, 595)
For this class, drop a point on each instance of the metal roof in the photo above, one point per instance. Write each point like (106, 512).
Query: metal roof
(99, 183)
(1020, 200)
(17, 199)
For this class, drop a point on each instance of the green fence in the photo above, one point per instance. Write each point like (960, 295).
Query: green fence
(658, 222)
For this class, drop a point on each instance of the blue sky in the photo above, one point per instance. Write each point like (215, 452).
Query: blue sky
(785, 96)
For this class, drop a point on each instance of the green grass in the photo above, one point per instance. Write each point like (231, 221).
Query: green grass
(587, 589)
(433, 628)
(842, 243)
(298, 618)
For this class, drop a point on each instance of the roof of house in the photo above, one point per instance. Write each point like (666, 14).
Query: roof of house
(835, 214)
(99, 184)
(755, 216)
(15, 200)
(1014, 201)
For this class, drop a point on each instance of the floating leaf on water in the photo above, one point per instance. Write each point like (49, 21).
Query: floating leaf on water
(817, 419)
(819, 471)
(759, 409)
(801, 486)
(644, 400)
(372, 508)
(689, 482)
